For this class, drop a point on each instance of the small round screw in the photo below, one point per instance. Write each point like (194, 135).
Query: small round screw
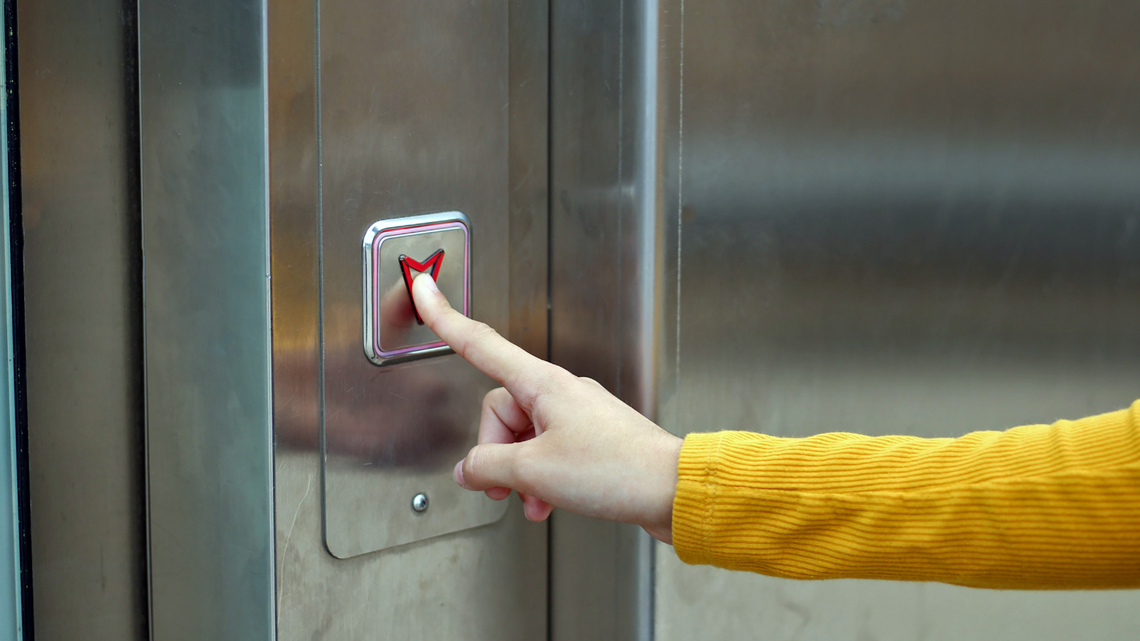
(420, 503)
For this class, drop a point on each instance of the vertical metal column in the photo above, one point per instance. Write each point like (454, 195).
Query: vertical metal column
(206, 311)
(614, 113)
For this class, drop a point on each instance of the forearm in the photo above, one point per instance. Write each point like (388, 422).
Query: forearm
(1053, 506)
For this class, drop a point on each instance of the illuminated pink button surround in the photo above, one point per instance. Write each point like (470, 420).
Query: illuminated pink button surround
(387, 231)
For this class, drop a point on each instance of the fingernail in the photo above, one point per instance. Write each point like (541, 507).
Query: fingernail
(430, 283)
(458, 474)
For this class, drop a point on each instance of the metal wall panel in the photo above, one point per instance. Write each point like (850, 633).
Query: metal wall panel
(894, 218)
(411, 122)
(205, 217)
(930, 211)
(82, 297)
(486, 583)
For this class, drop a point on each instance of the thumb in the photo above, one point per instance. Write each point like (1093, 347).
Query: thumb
(487, 466)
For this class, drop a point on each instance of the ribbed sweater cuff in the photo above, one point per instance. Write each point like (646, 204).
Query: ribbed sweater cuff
(695, 500)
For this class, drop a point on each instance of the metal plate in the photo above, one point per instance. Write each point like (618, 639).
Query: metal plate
(478, 573)
(206, 321)
(404, 133)
(395, 251)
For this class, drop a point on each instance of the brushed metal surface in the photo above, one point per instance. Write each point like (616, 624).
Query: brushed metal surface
(206, 319)
(591, 563)
(528, 158)
(615, 87)
(912, 218)
(484, 583)
(82, 296)
(413, 119)
(881, 217)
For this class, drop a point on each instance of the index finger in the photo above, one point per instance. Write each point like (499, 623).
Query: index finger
(479, 344)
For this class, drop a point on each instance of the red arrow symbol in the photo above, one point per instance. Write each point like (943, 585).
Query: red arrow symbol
(430, 266)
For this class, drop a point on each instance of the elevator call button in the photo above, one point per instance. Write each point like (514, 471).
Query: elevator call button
(410, 268)
(395, 252)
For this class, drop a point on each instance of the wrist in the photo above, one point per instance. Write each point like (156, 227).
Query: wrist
(660, 525)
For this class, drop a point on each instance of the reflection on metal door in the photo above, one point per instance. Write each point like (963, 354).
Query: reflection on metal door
(933, 209)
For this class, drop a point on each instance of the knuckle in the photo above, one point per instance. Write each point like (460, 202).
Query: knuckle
(492, 402)
(482, 470)
(480, 332)
(558, 380)
(473, 465)
(545, 409)
(544, 385)
(532, 389)
(523, 471)
(589, 381)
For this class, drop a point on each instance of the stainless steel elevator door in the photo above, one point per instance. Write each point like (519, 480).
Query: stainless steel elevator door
(931, 211)
(83, 318)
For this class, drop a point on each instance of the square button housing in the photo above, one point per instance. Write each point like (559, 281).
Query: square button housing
(395, 252)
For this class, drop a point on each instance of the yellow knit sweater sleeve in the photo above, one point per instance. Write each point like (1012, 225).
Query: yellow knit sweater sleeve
(1035, 507)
